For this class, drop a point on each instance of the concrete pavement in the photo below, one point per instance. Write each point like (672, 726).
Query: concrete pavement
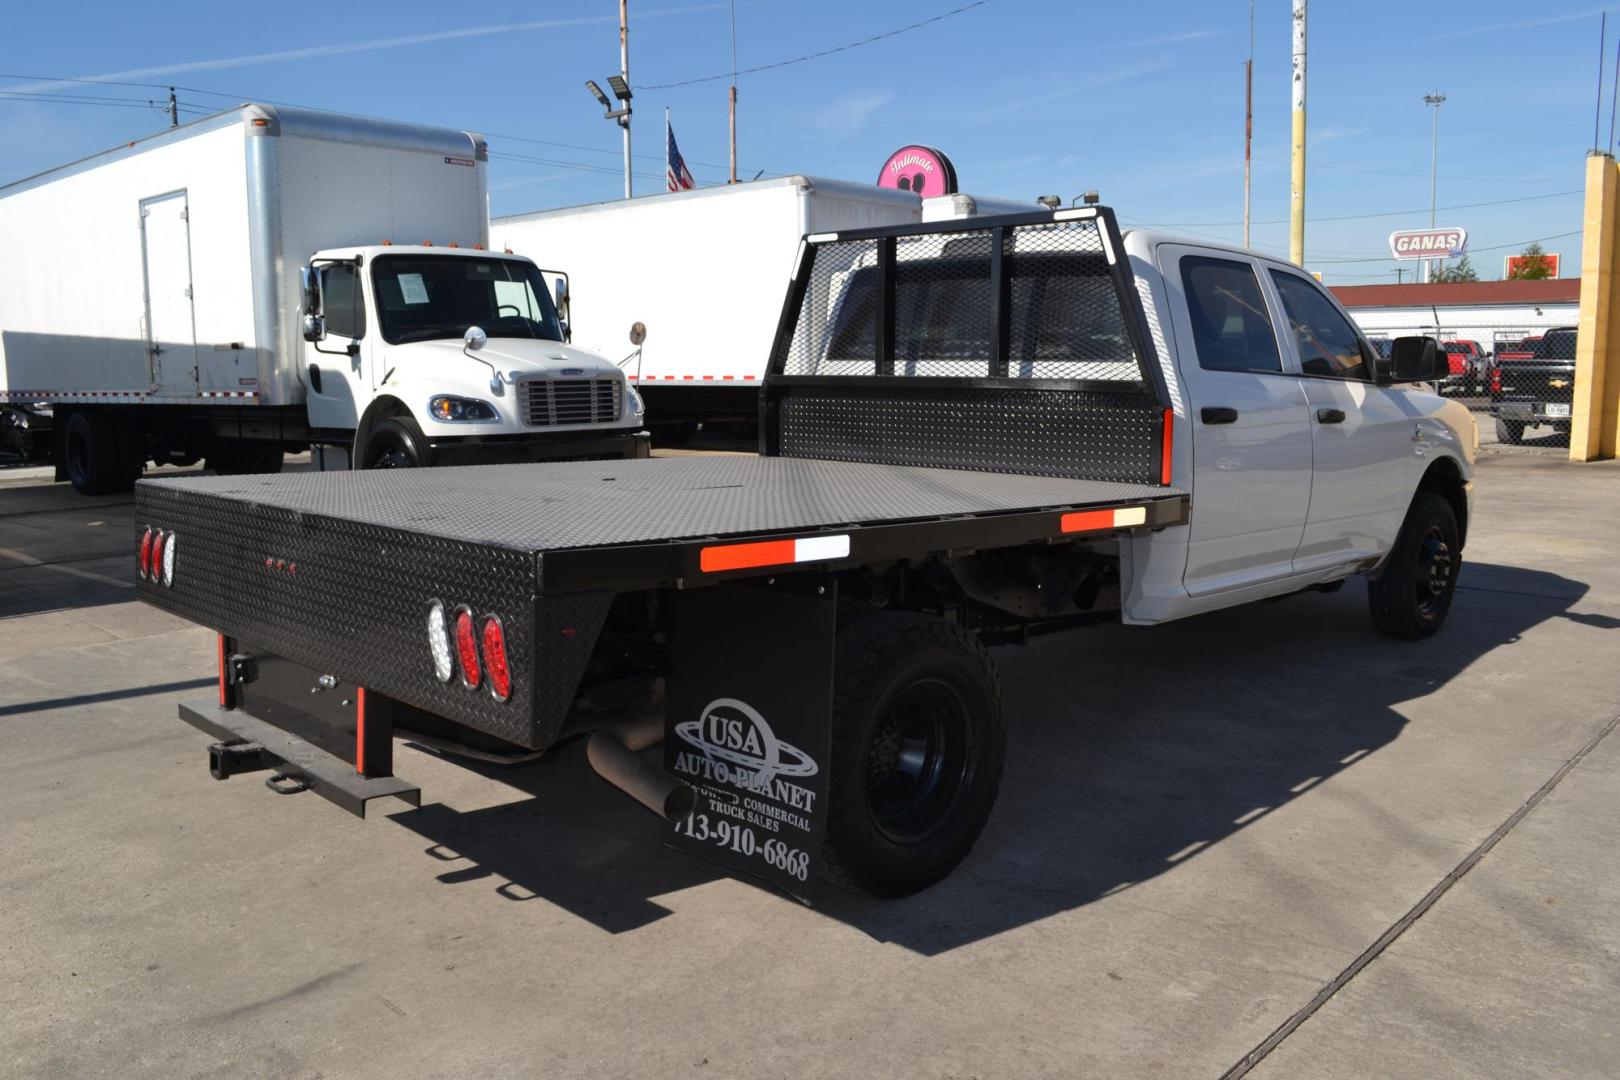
(1200, 826)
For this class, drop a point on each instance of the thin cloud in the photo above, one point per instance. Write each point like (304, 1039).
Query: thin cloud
(1529, 24)
(317, 51)
(1075, 89)
(850, 112)
(1171, 39)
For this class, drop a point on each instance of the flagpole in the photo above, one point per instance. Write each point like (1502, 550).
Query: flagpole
(666, 151)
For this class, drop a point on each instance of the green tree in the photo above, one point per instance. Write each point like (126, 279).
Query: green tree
(1532, 265)
(1461, 270)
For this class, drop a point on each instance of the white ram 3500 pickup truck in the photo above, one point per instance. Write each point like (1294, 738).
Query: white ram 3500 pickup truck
(971, 432)
(269, 279)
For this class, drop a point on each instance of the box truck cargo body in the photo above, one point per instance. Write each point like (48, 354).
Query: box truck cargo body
(705, 272)
(158, 291)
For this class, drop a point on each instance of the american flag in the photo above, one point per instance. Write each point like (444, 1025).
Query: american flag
(675, 172)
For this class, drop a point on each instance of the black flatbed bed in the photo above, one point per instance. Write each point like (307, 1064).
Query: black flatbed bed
(636, 523)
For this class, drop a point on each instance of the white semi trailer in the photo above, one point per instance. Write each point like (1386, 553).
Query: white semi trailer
(704, 271)
(269, 279)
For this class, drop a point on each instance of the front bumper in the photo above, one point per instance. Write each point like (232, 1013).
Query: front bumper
(552, 446)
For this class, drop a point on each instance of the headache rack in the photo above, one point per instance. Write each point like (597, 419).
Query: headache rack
(1006, 344)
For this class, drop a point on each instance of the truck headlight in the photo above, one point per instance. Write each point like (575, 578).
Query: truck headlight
(452, 409)
(637, 406)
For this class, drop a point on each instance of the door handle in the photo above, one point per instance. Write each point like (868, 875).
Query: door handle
(1217, 415)
(1330, 416)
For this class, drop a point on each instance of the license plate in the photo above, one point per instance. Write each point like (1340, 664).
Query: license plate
(1556, 410)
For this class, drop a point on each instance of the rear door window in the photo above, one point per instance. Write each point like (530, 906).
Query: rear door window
(1231, 330)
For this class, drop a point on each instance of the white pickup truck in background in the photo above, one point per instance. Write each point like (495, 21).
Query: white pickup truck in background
(269, 279)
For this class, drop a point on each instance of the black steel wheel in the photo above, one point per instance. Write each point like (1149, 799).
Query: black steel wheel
(90, 454)
(918, 746)
(395, 443)
(1412, 594)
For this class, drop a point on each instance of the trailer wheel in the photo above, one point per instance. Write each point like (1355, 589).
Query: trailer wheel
(395, 443)
(1412, 596)
(90, 448)
(918, 745)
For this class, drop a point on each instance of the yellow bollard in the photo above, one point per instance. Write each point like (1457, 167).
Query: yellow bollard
(1595, 406)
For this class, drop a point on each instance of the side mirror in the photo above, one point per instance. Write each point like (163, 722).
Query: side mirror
(1413, 359)
(475, 338)
(559, 292)
(638, 333)
(314, 328)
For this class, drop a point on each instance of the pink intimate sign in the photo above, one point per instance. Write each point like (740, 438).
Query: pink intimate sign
(921, 169)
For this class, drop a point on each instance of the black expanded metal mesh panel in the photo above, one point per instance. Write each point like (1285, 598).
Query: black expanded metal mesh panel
(351, 598)
(1062, 313)
(1086, 435)
(1065, 319)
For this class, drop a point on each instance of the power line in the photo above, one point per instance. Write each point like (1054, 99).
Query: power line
(818, 55)
(1396, 213)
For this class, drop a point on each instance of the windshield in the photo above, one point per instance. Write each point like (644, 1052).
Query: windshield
(422, 297)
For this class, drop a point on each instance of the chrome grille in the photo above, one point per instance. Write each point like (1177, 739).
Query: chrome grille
(554, 402)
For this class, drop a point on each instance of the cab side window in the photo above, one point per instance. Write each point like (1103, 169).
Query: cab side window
(341, 303)
(1327, 343)
(1231, 330)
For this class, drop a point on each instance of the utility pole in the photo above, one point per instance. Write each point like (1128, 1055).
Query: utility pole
(1248, 124)
(733, 179)
(624, 73)
(1296, 202)
(1434, 100)
(174, 109)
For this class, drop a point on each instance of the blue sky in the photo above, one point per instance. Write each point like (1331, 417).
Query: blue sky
(1141, 101)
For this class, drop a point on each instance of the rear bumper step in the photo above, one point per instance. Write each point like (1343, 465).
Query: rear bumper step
(248, 744)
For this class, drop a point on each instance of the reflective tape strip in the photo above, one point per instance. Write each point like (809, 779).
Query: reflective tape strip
(773, 553)
(1094, 520)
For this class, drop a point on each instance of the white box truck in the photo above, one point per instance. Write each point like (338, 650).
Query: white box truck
(704, 271)
(270, 279)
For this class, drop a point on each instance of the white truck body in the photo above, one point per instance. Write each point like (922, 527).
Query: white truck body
(165, 278)
(730, 250)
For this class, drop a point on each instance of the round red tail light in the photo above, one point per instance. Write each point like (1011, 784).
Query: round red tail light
(154, 567)
(467, 648)
(500, 676)
(144, 560)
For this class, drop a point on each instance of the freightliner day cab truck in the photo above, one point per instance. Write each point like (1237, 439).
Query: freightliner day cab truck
(271, 279)
(733, 247)
(972, 432)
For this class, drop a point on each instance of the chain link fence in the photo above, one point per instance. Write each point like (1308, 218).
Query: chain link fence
(1517, 378)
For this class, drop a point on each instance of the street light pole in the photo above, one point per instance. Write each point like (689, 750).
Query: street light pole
(624, 73)
(1434, 100)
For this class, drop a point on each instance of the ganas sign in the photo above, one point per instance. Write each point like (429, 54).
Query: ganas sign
(1428, 243)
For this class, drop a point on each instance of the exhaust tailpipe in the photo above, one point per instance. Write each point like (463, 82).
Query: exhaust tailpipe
(613, 753)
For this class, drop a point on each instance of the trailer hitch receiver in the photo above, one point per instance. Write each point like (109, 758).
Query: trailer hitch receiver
(226, 760)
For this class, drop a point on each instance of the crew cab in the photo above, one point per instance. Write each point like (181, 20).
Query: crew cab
(971, 432)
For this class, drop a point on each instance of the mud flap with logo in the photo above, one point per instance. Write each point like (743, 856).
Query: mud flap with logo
(749, 724)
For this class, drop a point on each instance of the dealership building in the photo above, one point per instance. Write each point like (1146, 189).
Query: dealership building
(1490, 312)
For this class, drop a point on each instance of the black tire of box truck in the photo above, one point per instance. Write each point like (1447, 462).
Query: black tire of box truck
(244, 459)
(395, 442)
(1411, 597)
(90, 454)
(1509, 431)
(918, 742)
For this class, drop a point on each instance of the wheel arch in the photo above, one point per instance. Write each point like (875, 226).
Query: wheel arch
(382, 406)
(1444, 477)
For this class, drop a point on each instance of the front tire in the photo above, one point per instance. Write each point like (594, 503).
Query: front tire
(395, 443)
(918, 746)
(1412, 596)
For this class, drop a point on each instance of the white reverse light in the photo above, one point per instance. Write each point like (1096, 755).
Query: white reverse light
(439, 642)
(168, 561)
